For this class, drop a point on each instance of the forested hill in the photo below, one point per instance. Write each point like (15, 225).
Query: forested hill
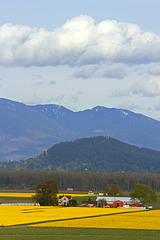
(95, 154)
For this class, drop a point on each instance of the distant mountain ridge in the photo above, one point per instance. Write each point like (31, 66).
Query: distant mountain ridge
(26, 131)
(94, 154)
(121, 124)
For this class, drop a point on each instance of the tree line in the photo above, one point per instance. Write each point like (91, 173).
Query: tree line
(46, 194)
(79, 181)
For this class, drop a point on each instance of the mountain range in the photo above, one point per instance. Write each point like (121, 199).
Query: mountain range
(26, 131)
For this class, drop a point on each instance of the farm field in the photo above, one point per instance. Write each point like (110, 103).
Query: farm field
(21, 222)
(22, 194)
(76, 234)
(79, 217)
(34, 214)
(146, 220)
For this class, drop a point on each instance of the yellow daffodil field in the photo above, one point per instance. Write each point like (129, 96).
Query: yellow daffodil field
(15, 194)
(15, 215)
(21, 194)
(76, 217)
(146, 220)
(79, 217)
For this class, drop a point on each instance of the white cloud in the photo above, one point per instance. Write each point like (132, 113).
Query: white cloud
(79, 41)
(147, 87)
(154, 69)
(85, 71)
(117, 70)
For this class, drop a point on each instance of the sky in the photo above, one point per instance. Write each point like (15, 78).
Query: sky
(81, 54)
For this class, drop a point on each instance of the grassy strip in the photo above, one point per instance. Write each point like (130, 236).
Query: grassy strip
(15, 199)
(76, 234)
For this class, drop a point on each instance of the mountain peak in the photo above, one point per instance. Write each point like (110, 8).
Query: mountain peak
(98, 108)
(52, 111)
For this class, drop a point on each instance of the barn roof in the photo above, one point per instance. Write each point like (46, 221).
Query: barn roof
(61, 196)
(113, 199)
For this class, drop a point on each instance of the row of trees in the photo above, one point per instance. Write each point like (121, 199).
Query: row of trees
(80, 181)
(46, 193)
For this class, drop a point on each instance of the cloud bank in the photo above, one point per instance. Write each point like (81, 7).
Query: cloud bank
(147, 87)
(80, 41)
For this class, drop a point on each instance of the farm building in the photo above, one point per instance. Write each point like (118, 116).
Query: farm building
(69, 189)
(64, 200)
(117, 202)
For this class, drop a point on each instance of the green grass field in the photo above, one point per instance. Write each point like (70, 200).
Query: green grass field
(75, 234)
(15, 199)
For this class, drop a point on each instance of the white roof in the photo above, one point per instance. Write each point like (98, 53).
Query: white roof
(113, 199)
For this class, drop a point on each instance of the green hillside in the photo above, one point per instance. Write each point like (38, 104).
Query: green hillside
(96, 154)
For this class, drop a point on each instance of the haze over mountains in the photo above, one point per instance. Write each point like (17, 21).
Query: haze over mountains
(26, 131)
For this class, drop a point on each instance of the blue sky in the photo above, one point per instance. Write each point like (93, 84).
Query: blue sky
(81, 54)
